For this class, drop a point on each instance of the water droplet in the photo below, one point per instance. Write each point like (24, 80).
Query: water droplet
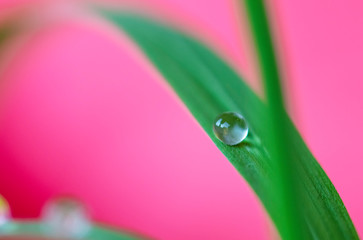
(66, 218)
(4, 211)
(231, 128)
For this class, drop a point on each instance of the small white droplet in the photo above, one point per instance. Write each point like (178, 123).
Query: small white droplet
(4, 211)
(231, 128)
(65, 217)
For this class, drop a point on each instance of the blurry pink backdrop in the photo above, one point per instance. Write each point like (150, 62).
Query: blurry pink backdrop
(83, 116)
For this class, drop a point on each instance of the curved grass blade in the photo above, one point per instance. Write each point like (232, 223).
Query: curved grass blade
(208, 86)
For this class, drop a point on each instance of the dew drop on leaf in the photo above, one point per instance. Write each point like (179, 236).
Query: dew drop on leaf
(231, 128)
(65, 217)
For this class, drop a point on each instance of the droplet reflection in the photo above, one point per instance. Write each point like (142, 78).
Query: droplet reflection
(4, 211)
(66, 218)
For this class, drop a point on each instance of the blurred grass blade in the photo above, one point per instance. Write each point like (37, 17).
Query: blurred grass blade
(285, 177)
(209, 87)
(35, 230)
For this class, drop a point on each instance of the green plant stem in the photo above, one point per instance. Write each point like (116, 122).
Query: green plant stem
(285, 177)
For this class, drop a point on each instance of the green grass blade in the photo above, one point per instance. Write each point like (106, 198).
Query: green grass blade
(286, 181)
(37, 229)
(208, 86)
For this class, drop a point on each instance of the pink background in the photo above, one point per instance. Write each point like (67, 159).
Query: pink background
(82, 114)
